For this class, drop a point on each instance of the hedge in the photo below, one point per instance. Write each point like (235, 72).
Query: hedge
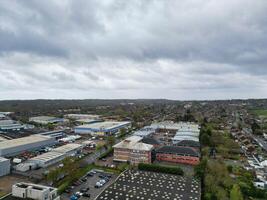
(160, 168)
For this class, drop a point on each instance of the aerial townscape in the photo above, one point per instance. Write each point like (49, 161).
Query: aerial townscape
(133, 100)
(133, 149)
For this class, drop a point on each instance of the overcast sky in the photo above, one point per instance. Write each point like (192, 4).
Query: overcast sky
(191, 49)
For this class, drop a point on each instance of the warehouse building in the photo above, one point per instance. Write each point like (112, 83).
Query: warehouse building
(81, 116)
(102, 128)
(175, 154)
(34, 191)
(185, 136)
(88, 121)
(69, 149)
(133, 150)
(7, 124)
(171, 127)
(4, 166)
(17, 146)
(56, 155)
(47, 159)
(145, 132)
(187, 131)
(46, 120)
(50, 158)
(54, 134)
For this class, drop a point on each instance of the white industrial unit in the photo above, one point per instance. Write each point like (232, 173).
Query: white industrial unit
(17, 146)
(33, 191)
(47, 159)
(4, 166)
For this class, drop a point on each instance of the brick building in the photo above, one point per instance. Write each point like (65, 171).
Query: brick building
(178, 154)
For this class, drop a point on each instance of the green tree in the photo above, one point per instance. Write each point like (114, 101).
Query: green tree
(53, 175)
(205, 139)
(110, 140)
(235, 193)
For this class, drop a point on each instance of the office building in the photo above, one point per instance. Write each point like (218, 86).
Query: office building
(133, 150)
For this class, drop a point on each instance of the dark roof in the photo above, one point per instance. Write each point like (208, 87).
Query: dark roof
(149, 140)
(178, 150)
(188, 143)
(151, 185)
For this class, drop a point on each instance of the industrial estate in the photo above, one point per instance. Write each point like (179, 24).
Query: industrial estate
(135, 150)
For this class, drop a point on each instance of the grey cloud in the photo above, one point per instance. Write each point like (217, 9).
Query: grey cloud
(117, 45)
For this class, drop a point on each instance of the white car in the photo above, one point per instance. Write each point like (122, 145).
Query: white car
(102, 181)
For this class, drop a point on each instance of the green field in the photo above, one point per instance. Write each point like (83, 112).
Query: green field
(260, 112)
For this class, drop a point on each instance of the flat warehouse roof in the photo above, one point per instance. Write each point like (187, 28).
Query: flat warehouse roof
(68, 147)
(47, 156)
(104, 125)
(23, 141)
(142, 185)
(3, 159)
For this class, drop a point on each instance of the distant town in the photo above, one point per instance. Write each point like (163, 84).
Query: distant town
(133, 149)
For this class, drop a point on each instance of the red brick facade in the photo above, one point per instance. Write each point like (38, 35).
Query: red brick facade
(177, 158)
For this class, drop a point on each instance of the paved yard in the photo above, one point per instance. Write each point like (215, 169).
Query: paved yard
(6, 182)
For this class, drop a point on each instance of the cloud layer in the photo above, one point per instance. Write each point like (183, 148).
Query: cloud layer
(190, 49)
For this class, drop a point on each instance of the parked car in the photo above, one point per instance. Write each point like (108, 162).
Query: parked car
(90, 174)
(98, 185)
(86, 195)
(74, 197)
(84, 189)
(102, 181)
(101, 176)
(78, 194)
(84, 179)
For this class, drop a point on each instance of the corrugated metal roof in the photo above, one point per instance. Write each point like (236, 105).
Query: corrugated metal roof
(23, 141)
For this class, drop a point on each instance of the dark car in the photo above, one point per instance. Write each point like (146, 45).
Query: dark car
(106, 179)
(90, 174)
(101, 176)
(84, 189)
(84, 179)
(86, 195)
(109, 175)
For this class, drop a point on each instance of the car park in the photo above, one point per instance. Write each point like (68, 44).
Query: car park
(94, 184)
